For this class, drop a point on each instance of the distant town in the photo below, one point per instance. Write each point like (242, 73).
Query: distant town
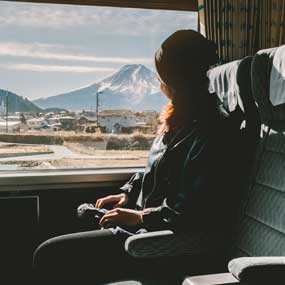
(129, 102)
(66, 131)
(106, 121)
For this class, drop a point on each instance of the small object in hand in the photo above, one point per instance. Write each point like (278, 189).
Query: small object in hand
(88, 210)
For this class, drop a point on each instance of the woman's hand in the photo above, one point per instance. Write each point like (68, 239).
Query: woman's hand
(120, 217)
(120, 200)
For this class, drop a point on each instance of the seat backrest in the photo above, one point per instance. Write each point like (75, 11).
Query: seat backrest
(223, 83)
(232, 84)
(261, 231)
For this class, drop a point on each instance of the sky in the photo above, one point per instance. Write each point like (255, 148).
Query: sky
(49, 49)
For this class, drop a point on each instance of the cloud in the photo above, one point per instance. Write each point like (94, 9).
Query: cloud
(57, 52)
(55, 68)
(106, 20)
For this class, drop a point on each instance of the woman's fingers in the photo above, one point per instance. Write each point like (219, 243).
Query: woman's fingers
(108, 216)
(108, 224)
(121, 200)
(97, 203)
(120, 216)
(103, 201)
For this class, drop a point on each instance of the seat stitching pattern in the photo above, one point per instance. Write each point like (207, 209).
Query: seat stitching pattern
(260, 240)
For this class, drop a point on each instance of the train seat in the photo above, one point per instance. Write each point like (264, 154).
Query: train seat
(261, 230)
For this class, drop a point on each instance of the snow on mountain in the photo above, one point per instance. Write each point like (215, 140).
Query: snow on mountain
(132, 87)
(134, 80)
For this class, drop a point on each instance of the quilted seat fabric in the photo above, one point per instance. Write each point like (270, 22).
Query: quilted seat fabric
(262, 228)
(260, 233)
(167, 243)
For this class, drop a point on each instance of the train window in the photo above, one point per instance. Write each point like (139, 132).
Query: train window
(77, 84)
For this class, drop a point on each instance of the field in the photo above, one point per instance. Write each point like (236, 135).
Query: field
(74, 150)
(10, 148)
(59, 138)
(97, 163)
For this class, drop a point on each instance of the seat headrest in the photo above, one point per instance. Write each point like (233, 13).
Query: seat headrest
(268, 85)
(277, 78)
(232, 84)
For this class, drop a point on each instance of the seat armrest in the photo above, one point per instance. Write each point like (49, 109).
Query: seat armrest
(258, 269)
(167, 244)
(211, 279)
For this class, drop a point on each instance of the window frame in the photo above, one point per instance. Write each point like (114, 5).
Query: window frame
(180, 5)
(38, 180)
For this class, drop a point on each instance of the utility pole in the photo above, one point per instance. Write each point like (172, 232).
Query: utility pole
(7, 113)
(97, 106)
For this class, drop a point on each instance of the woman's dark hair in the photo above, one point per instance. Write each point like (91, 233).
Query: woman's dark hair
(182, 63)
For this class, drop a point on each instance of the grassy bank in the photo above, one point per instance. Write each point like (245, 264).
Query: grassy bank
(112, 142)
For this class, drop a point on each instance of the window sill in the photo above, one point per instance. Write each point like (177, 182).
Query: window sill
(63, 178)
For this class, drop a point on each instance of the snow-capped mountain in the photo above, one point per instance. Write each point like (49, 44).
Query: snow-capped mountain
(134, 80)
(133, 87)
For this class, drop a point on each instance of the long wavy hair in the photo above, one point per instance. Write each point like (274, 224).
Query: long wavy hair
(187, 103)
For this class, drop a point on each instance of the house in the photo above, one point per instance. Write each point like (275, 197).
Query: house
(85, 120)
(35, 123)
(14, 118)
(49, 115)
(52, 128)
(29, 115)
(68, 123)
(140, 127)
(10, 126)
(52, 119)
(115, 120)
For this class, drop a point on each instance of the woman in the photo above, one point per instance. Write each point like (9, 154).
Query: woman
(185, 181)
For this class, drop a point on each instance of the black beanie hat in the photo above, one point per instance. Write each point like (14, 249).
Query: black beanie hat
(183, 57)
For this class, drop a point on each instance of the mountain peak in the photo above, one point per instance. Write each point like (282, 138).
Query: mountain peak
(132, 79)
(133, 86)
(134, 67)
(129, 69)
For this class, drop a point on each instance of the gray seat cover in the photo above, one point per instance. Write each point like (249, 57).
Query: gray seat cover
(261, 231)
(262, 228)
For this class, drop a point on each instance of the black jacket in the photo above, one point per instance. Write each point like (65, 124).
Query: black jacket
(189, 182)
